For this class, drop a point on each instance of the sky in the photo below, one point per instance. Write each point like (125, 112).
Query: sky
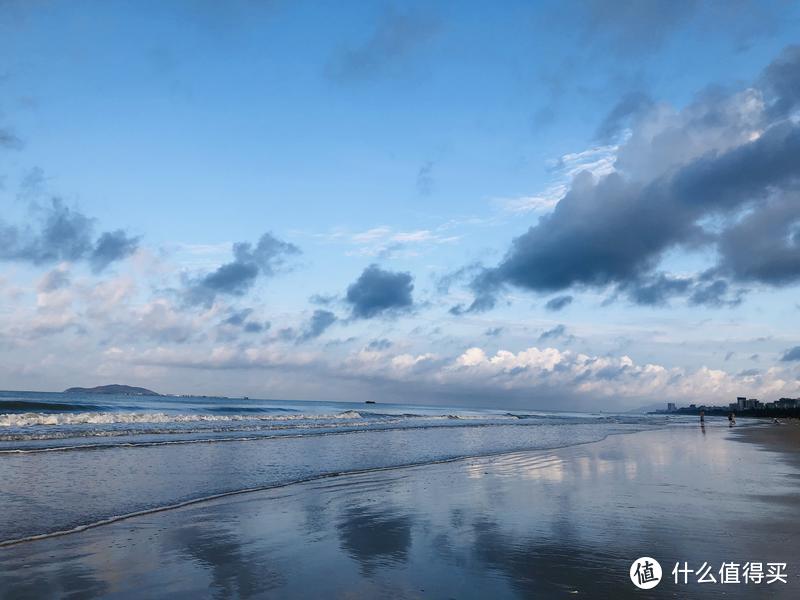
(575, 205)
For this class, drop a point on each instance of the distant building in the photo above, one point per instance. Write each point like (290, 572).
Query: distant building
(788, 403)
(740, 402)
(671, 407)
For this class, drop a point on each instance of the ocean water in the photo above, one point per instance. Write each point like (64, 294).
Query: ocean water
(70, 461)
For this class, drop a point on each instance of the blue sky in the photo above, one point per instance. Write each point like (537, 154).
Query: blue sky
(421, 138)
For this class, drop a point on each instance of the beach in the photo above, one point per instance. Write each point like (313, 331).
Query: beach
(564, 522)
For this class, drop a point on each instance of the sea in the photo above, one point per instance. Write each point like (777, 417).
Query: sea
(70, 461)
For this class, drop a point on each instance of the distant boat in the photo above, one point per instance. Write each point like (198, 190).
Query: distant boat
(370, 402)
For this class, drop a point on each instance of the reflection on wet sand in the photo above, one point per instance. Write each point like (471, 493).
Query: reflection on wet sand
(234, 570)
(531, 525)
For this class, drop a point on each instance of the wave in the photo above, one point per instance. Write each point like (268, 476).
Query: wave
(31, 419)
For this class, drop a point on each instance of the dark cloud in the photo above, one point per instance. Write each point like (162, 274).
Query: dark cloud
(655, 290)
(112, 246)
(237, 277)
(558, 303)
(764, 245)
(316, 326)
(378, 292)
(658, 289)
(493, 331)
(241, 319)
(792, 354)
(716, 293)
(396, 36)
(551, 334)
(379, 345)
(63, 234)
(615, 230)
(781, 81)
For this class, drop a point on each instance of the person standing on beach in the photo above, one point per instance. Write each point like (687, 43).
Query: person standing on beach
(702, 418)
(731, 419)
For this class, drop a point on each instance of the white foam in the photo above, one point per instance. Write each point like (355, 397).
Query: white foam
(114, 418)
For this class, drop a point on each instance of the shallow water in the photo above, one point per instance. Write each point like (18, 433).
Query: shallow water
(540, 524)
(87, 459)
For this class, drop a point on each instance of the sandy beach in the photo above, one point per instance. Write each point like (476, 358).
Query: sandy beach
(555, 523)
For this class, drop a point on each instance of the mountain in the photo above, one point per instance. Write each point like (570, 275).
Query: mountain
(115, 388)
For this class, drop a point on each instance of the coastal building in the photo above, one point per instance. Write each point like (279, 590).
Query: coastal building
(788, 403)
(671, 407)
(740, 402)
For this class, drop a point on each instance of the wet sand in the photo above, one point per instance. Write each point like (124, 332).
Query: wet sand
(557, 523)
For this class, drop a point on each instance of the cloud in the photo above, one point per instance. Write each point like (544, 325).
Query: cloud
(9, 140)
(630, 27)
(322, 299)
(240, 319)
(493, 331)
(379, 345)
(558, 303)
(396, 36)
(792, 354)
(721, 173)
(63, 234)
(425, 182)
(556, 332)
(316, 326)
(237, 277)
(112, 246)
(377, 292)
(629, 107)
(54, 280)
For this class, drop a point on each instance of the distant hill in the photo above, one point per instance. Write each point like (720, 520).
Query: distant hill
(113, 389)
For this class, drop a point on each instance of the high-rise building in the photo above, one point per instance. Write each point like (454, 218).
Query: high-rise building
(671, 407)
(740, 402)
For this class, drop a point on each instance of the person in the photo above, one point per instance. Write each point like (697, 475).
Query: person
(731, 419)
(702, 417)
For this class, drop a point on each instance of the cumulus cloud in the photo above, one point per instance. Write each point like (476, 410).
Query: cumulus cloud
(60, 233)
(792, 354)
(237, 277)
(722, 174)
(378, 292)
